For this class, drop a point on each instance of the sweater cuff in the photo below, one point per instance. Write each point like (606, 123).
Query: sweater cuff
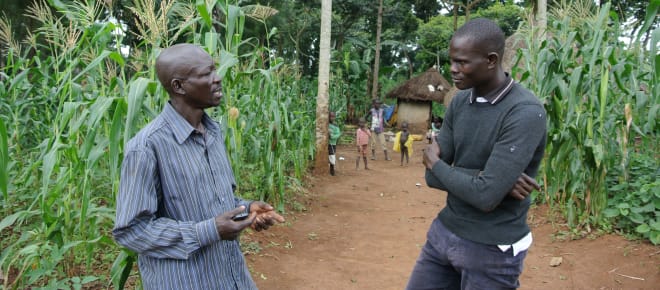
(207, 233)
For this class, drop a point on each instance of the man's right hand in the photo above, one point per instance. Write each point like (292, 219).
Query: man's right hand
(523, 187)
(228, 229)
(431, 154)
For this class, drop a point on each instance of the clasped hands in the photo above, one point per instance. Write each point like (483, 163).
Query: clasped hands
(261, 217)
(521, 189)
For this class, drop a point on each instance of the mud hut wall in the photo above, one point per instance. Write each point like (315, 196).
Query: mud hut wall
(416, 113)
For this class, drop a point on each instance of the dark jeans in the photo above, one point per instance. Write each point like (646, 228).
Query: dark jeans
(450, 262)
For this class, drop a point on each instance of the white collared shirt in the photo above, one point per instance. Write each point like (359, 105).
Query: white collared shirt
(519, 246)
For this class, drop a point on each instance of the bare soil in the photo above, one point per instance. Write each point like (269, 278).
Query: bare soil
(363, 229)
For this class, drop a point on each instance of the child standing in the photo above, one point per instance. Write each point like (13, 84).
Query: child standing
(362, 141)
(335, 132)
(403, 142)
(436, 123)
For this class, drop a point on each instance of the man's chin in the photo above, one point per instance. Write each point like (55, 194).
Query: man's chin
(462, 86)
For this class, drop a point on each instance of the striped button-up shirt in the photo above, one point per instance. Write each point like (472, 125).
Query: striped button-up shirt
(174, 182)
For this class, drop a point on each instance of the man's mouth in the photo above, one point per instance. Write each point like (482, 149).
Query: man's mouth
(217, 92)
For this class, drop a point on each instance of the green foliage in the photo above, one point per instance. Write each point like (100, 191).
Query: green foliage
(595, 92)
(633, 206)
(507, 16)
(434, 36)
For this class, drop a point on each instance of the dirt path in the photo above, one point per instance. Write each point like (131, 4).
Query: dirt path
(364, 229)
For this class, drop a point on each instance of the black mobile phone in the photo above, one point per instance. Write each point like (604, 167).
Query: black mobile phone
(241, 216)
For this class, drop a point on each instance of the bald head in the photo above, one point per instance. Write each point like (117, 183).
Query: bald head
(483, 33)
(177, 62)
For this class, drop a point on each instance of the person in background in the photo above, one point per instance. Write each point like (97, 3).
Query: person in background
(436, 123)
(488, 150)
(403, 142)
(377, 116)
(176, 206)
(335, 132)
(362, 135)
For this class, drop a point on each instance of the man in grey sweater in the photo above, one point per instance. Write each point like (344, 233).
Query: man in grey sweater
(487, 152)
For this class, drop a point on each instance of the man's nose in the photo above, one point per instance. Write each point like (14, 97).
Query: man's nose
(453, 68)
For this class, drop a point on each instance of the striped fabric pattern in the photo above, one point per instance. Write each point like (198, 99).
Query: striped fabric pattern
(174, 182)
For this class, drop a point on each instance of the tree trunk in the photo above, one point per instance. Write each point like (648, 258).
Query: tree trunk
(542, 17)
(455, 13)
(379, 24)
(410, 63)
(321, 164)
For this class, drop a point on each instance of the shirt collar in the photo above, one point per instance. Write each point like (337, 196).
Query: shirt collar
(497, 95)
(180, 126)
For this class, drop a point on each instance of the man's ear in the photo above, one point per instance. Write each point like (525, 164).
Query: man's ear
(177, 87)
(493, 59)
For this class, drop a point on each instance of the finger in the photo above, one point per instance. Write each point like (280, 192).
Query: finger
(269, 221)
(525, 190)
(276, 217)
(257, 227)
(248, 221)
(515, 194)
(522, 185)
(531, 181)
(519, 191)
(264, 206)
(235, 211)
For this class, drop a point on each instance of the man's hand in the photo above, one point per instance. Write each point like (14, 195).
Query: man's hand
(523, 187)
(228, 229)
(431, 154)
(265, 216)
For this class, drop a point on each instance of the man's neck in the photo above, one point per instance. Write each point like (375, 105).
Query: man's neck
(192, 115)
(498, 80)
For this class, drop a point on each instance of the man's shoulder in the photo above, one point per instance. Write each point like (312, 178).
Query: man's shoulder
(523, 95)
(146, 134)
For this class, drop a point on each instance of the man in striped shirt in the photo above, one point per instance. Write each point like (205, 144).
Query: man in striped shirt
(176, 205)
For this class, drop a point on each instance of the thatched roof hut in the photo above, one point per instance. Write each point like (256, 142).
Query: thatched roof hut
(428, 86)
(415, 97)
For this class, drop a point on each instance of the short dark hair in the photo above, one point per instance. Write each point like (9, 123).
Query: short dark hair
(484, 32)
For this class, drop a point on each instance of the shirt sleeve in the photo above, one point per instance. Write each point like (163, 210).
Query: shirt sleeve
(522, 132)
(436, 183)
(137, 226)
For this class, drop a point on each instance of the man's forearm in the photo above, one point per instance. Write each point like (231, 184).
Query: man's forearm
(166, 238)
(433, 181)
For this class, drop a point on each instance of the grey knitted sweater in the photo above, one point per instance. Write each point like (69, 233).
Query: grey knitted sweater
(485, 147)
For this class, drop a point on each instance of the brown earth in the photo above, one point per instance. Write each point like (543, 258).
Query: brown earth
(363, 229)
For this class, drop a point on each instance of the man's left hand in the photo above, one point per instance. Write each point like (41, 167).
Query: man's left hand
(523, 187)
(431, 154)
(266, 216)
